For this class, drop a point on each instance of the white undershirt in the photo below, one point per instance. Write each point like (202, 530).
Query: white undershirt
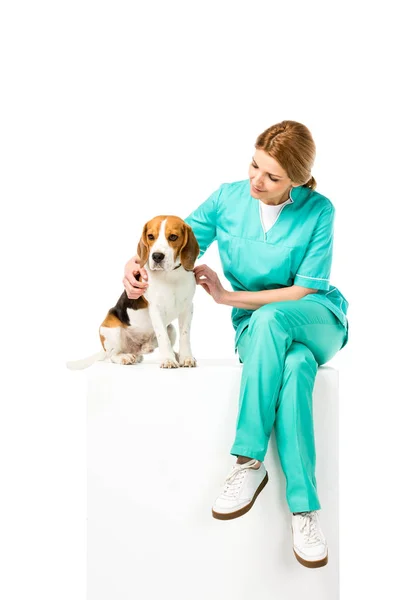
(269, 213)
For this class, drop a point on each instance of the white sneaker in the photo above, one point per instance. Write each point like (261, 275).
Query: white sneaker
(241, 489)
(309, 543)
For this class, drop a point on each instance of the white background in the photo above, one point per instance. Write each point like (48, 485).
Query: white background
(113, 112)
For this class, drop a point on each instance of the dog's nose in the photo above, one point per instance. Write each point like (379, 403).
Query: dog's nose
(158, 257)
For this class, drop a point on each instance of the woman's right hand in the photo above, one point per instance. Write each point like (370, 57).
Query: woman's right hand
(133, 287)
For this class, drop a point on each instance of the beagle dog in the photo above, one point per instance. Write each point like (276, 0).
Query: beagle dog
(168, 250)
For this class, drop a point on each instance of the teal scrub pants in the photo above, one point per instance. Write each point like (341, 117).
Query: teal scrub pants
(281, 350)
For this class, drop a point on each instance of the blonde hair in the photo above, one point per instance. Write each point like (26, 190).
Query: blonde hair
(291, 144)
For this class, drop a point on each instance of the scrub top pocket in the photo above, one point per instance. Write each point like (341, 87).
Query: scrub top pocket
(258, 265)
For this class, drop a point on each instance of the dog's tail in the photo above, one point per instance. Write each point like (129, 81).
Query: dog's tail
(75, 365)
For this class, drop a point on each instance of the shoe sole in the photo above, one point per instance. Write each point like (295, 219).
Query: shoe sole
(311, 564)
(244, 509)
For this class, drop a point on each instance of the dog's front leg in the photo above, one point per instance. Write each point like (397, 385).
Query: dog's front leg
(185, 352)
(167, 355)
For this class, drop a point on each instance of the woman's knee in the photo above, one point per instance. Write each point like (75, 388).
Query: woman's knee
(267, 315)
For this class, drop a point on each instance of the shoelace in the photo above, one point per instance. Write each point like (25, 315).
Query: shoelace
(234, 481)
(309, 526)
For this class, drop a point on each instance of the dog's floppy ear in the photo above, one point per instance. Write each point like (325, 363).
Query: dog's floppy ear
(190, 249)
(143, 248)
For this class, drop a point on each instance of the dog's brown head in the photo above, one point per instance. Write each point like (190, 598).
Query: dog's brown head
(166, 242)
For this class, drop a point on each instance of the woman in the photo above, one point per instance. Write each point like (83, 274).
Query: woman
(275, 239)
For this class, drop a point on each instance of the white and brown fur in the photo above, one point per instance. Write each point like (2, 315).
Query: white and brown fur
(168, 250)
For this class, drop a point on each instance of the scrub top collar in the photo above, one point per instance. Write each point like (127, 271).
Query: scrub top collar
(299, 193)
(295, 193)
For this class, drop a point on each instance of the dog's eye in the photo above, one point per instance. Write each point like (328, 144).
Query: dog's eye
(150, 236)
(173, 238)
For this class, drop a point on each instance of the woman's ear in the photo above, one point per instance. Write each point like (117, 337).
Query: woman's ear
(143, 248)
(190, 250)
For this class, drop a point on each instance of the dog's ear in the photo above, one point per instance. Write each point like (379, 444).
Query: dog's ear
(190, 249)
(143, 248)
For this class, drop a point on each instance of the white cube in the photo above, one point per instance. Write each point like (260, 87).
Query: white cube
(158, 454)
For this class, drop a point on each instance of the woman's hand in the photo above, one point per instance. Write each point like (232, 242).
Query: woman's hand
(209, 280)
(133, 287)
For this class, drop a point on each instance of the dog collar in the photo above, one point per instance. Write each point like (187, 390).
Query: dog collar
(191, 270)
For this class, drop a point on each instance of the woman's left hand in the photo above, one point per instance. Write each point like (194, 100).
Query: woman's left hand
(209, 280)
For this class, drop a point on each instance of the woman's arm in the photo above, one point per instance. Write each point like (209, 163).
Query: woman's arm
(209, 280)
(253, 300)
(203, 221)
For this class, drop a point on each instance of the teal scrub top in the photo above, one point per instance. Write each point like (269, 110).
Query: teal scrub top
(296, 250)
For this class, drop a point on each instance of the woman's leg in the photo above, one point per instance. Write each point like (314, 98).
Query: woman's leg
(269, 382)
(294, 428)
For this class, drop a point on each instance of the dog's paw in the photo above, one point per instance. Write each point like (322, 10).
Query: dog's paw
(187, 361)
(126, 359)
(169, 363)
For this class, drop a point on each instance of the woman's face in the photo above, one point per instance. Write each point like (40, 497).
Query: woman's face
(268, 181)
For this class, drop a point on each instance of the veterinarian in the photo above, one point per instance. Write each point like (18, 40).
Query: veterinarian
(275, 239)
